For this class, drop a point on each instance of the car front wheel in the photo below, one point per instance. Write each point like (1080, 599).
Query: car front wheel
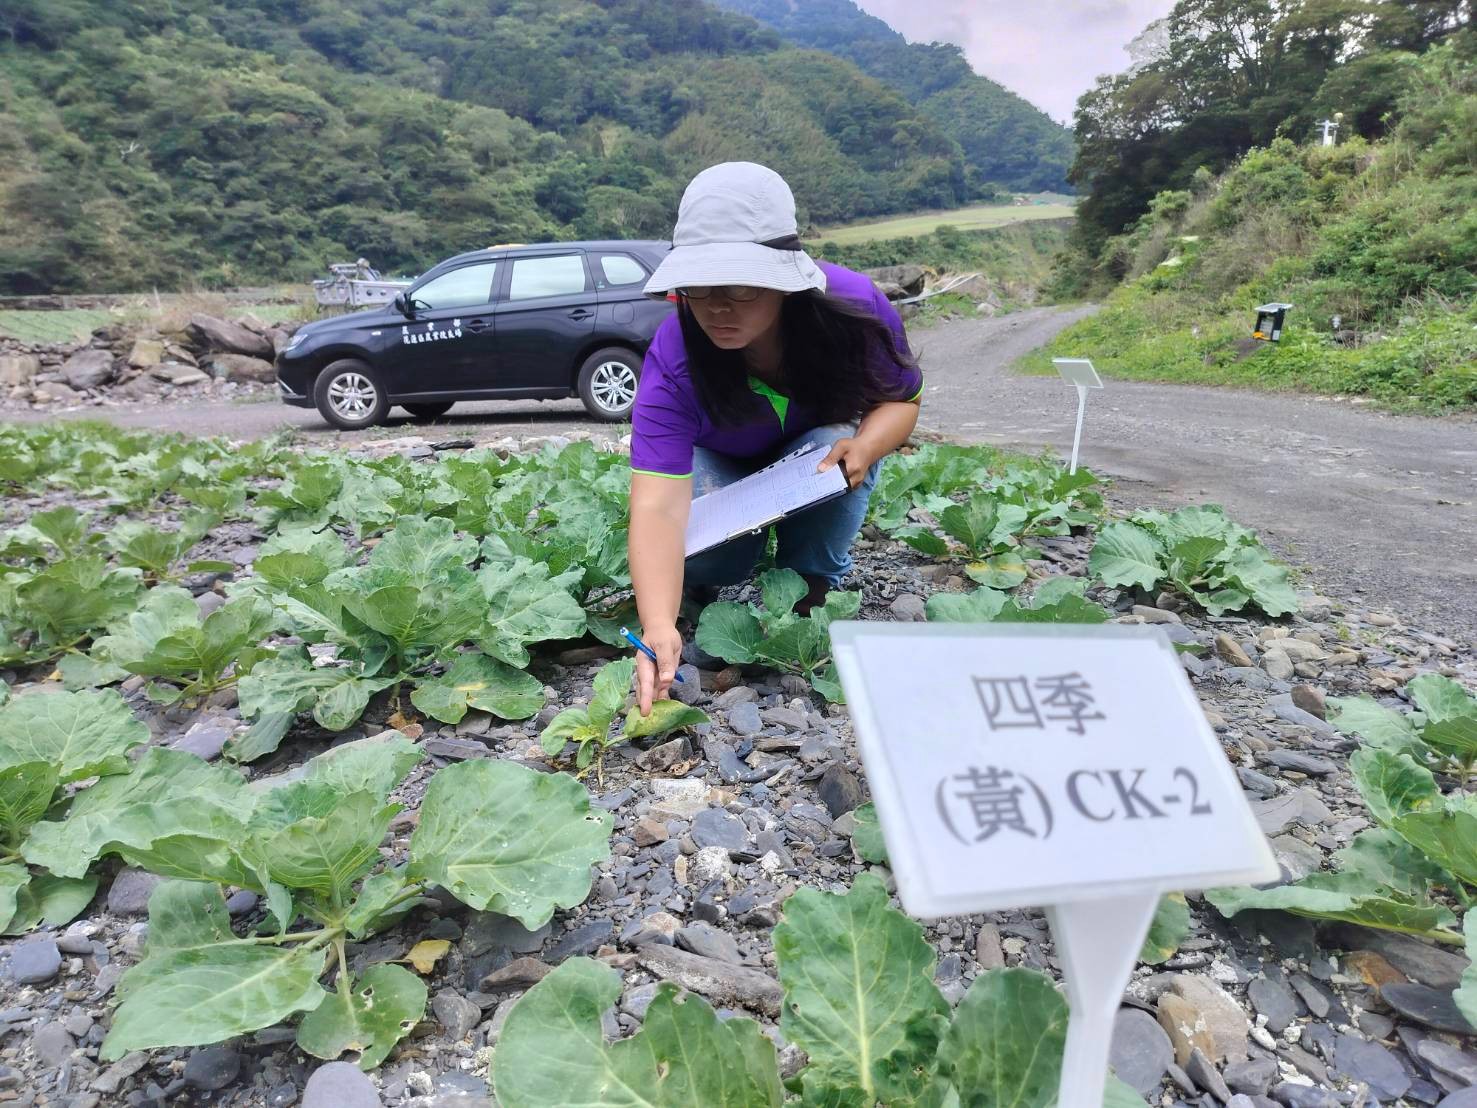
(349, 395)
(607, 383)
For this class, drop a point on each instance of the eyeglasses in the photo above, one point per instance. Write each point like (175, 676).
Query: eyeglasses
(740, 293)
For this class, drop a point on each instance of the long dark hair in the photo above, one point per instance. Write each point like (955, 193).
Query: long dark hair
(831, 352)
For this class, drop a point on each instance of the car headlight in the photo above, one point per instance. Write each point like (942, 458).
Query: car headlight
(294, 342)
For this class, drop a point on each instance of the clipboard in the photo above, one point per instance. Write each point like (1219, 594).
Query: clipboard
(781, 489)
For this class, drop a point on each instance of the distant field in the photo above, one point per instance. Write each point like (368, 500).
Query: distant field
(73, 325)
(966, 219)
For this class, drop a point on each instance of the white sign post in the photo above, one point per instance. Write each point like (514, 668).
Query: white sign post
(1054, 765)
(1079, 372)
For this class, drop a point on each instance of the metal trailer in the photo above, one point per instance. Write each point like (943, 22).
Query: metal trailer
(355, 285)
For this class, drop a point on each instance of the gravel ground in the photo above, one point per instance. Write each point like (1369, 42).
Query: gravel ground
(714, 832)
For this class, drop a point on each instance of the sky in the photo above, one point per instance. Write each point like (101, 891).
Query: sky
(1049, 51)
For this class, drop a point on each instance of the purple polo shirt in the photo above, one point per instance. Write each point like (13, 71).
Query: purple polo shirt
(668, 419)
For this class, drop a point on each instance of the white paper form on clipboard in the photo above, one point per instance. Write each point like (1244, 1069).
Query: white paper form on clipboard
(767, 496)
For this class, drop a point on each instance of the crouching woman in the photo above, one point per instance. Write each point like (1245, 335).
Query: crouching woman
(768, 351)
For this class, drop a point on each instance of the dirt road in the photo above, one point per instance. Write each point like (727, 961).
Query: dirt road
(1378, 509)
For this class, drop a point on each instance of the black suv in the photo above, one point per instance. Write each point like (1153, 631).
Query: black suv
(509, 323)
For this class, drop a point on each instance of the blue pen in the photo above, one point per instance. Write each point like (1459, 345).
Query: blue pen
(641, 646)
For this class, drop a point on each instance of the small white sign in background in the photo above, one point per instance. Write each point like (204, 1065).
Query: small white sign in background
(1063, 766)
(1079, 372)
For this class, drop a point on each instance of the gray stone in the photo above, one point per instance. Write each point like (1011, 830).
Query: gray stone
(1141, 1051)
(178, 375)
(87, 369)
(731, 698)
(130, 892)
(908, 608)
(706, 940)
(1373, 1064)
(112, 1078)
(1314, 997)
(78, 1023)
(213, 1068)
(587, 938)
(695, 655)
(282, 1096)
(839, 790)
(1203, 1072)
(743, 719)
(1302, 763)
(1448, 1059)
(1278, 813)
(1297, 858)
(1304, 1096)
(1273, 1000)
(715, 827)
(35, 961)
(1253, 1076)
(1375, 1026)
(721, 983)
(690, 689)
(1278, 665)
(202, 740)
(489, 930)
(1285, 709)
(1432, 1007)
(1462, 1098)
(453, 748)
(340, 1085)
(218, 335)
(1259, 783)
(53, 1044)
(638, 998)
(456, 1014)
(809, 821)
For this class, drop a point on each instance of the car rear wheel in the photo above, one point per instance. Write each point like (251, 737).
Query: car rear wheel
(349, 395)
(429, 411)
(607, 383)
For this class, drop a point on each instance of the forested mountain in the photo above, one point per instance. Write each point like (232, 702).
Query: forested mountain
(1372, 240)
(1004, 138)
(165, 142)
(1221, 77)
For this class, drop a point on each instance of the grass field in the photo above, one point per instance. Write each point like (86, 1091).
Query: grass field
(966, 219)
(74, 325)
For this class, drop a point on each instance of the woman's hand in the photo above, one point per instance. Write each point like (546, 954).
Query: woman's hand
(855, 456)
(654, 679)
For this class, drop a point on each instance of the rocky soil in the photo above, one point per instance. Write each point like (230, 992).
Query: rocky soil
(208, 358)
(712, 833)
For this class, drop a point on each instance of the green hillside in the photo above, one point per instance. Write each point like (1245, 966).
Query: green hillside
(1380, 234)
(171, 143)
(1005, 139)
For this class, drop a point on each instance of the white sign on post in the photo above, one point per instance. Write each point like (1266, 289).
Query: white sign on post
(1079, 372)
(1054, 765)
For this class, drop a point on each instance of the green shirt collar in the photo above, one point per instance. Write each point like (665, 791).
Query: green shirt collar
(780, 404)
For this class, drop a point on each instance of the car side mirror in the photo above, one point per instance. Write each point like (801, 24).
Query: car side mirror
(402, 305)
